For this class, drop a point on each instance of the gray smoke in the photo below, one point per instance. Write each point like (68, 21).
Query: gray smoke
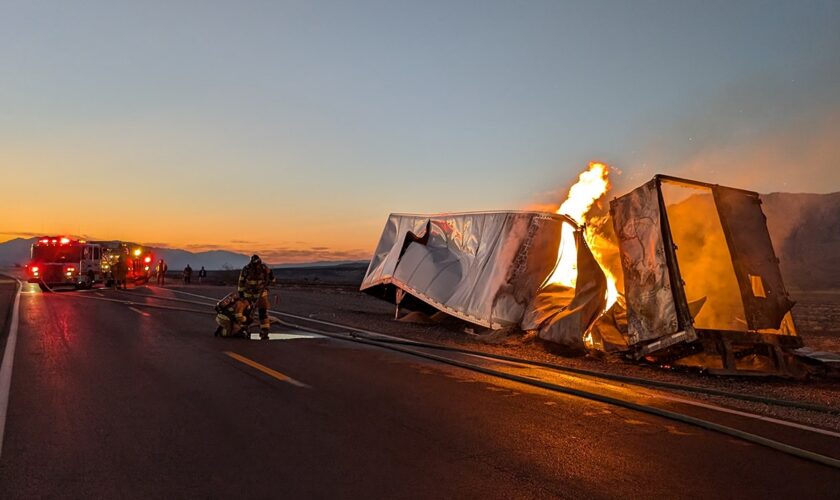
(764, 134)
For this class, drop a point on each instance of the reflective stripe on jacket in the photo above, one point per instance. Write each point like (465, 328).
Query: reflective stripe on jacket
(254, 279)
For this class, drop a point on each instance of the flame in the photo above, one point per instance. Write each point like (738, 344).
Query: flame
(593, 183)
(612, 289)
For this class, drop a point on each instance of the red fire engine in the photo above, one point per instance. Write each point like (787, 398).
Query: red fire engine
(61, 260)
(138, 261)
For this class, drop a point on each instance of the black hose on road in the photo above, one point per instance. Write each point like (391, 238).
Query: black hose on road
(392, 345)
(679, 417)
(577, 371)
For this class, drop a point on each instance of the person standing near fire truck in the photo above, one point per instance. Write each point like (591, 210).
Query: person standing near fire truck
(254, 281)
(122, 273)
(161, 272)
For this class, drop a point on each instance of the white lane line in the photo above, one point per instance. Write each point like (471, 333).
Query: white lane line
(6, 366)
(138, 311)
(194, 295)
(652, 393)
(756, 416)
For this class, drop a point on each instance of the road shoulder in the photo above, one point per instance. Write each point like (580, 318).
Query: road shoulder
(8, 288)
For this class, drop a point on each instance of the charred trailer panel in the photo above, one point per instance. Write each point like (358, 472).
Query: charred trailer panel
(702, 283)
(489, 269)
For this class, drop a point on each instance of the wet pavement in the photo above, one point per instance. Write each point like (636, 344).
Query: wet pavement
(118, 401)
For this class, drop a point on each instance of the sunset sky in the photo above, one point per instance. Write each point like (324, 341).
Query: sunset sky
(294, 128)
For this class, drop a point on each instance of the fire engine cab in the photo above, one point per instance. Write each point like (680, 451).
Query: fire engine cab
(59, 260)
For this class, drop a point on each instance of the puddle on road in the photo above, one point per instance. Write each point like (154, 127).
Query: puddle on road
(292, 335)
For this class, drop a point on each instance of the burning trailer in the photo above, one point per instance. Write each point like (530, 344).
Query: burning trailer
(491, 269)
(702, 285)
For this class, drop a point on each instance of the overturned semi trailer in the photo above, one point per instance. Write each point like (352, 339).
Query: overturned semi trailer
(702, 282)
(490, 269)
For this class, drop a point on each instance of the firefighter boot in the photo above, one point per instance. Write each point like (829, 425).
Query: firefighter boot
(265, 323)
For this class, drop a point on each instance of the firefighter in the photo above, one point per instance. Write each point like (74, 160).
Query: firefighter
(161, 272)
(254, 281)
(115, 272)
(233, 316)
(122, 272)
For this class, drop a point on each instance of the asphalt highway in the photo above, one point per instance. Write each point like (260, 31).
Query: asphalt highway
(111, 401)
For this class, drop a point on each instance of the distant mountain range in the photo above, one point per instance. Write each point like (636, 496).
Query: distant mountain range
(17, 251)
(805, 229)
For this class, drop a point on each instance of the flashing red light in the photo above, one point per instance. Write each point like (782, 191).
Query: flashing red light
(34, 269)
(71, 269)
(45, 240)
(147, 260)
(65, 241)
(54, 241)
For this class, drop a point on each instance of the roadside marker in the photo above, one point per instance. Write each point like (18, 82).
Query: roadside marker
(6, 366)
(268, 371)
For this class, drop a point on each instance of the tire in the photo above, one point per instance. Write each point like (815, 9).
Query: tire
(91, 277)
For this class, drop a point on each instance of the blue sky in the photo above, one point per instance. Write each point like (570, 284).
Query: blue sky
(319, 118)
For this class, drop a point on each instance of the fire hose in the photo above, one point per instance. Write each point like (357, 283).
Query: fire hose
(679, 417)
(398, 347)
(577, 371)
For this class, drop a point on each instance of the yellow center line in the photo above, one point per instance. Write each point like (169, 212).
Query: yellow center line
(268, 371)
(138, 311)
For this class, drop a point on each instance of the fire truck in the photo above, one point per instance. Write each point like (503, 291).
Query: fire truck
(139, 261)
(65, 261)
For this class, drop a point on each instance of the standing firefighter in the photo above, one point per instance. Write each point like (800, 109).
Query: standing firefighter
(161, 272)
(254, 281)
(122, 273)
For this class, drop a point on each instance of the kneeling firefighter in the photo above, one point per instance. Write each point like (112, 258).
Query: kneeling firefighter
(254, 281)
(233, 316)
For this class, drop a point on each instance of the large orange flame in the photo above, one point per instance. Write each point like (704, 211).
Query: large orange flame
(593, 183)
